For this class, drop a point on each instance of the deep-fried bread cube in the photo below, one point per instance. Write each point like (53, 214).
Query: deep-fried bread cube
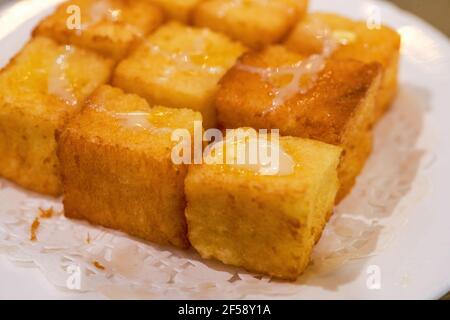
(264, 223)
(180, 10)
(39, 89)
(357, 41)
(337, 107)
(179, 66)
(256, 23)
(117, 169)
(110, 27)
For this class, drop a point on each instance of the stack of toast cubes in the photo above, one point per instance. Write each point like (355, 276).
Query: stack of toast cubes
(90, 106)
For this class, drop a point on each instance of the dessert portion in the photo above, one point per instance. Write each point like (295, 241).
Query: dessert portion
(265, 221)
(40, 89)
(117, 169)
(110, 27)
(256, 23)
(180, 10)
(321, 80)
(179, 67)
(332, 101)
(357, 41)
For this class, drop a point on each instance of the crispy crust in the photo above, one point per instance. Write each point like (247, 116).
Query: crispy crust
(380, 45)
(29, 116)
(336, 110)
(124, 178)
(262, 223)
(112, 39)
(188, 86)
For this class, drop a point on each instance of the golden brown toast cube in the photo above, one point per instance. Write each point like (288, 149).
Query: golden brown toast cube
(39, 89)
(179, 66)
(256, 23)
(335, 106)
(180, 10)
(265, 223)
(357, 41)
(117, 169)
(110, 27)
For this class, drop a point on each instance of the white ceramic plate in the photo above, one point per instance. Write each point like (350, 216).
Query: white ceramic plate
(397, 245)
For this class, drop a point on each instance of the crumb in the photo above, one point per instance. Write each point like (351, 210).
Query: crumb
(33, 229)
(88, 238)
(98, 265)
(46, 214)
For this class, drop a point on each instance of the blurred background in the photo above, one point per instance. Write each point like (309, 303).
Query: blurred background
(435, 12)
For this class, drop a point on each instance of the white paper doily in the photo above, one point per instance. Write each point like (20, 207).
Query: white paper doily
(76, 256)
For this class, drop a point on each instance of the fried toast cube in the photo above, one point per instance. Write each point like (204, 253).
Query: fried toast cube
(357, 41)
(179, 66)
(180, 10)
(117, 169)
(267, 224)
(264, 90)
(39, 89)
(255, 23)
(110, 27)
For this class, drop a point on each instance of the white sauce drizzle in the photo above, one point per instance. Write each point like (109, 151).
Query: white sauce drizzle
(182, 61)
(276, 161)
(344, 37)
(58, 84)
(102, 10)
(311, 67)
(139, 120)
(135, 120)
(99, 11)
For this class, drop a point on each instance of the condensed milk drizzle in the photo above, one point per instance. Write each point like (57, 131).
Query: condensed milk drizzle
(103, 10)
(182, 62)
(309, 68)
(259, 154)
(58, 83)
(139, 120)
